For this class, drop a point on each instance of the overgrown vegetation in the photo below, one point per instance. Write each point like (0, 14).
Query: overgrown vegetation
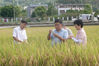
(39, 52)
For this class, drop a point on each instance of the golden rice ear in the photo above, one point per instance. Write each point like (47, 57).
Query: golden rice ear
(22, 61)
(31, 61)
(12, 61)
(3, 61)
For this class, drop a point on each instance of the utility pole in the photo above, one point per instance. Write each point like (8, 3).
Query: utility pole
(13, 3)
(92, 13)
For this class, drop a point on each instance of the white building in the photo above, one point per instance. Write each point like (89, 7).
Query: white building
(62, 8)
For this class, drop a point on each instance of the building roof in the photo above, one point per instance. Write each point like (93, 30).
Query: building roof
(72, 4)
(36, 5)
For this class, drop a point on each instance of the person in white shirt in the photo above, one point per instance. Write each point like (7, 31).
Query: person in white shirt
(70, 33)
(19, 33)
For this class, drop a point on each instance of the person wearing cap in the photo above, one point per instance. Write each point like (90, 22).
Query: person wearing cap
(58, 35)
(19, 33)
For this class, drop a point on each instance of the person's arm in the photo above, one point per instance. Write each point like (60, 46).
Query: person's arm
(65, 36)
(62, 39)
(25, 41)
(76, 40)
(25, 37)
(81, 36)
(49, 35)
(14, 36)
(16, 39)
(71, 33)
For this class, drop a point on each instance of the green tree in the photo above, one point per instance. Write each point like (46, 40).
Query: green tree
(52, 11)
(8, 11)
(23, 13)
(88, 9)
(40, 11)
(0, 11)
(97, 12)
(72, 13)
(70, 1)
(33, 14)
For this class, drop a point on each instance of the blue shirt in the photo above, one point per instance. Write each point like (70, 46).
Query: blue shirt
(62, 33)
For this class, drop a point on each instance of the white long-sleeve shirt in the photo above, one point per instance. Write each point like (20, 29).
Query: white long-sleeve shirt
(81, 37)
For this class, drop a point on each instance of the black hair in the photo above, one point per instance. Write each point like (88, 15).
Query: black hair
(78, 22)
(58, 21)
(22, 21)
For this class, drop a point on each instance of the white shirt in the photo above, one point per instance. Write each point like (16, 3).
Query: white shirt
(20, 34)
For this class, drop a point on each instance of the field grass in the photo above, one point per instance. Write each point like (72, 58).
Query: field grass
(39, 52)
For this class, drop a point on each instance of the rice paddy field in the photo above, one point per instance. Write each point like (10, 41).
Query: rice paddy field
(39, 52)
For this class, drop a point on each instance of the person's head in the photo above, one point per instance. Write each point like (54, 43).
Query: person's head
(78, 24)
(23, 24)
(58, 24)
(64, 27)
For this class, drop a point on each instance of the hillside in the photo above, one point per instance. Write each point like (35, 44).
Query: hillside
(95, 3)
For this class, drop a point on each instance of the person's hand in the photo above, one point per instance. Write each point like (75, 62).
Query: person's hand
(50, 31)
(25, 41)
(49, 35)
(55, 34)
(20, 41)
(70, 37)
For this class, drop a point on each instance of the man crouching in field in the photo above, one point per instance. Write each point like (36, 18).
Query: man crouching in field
(81, 37)
(19, 33)
(58, 35)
